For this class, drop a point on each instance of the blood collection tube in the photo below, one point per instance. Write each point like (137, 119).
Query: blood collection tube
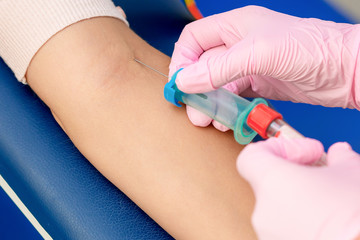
(268, 123)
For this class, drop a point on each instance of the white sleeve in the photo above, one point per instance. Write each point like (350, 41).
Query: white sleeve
(25, 25)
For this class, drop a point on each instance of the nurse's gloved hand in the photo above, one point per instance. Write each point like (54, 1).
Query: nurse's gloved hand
(272, 55)
(295, 201)
(198, 118)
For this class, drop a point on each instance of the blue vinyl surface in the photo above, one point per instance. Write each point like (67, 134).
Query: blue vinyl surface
(13, 224)
(304, 8)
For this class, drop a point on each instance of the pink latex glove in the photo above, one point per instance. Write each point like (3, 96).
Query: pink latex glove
(299, 202)
(270, 54)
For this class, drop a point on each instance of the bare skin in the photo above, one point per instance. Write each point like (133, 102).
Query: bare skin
(113, 109)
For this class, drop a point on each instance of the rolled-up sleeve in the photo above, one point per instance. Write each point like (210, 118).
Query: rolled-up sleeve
(25, 25)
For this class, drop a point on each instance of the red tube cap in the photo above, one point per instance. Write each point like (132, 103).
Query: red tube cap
(260, 117)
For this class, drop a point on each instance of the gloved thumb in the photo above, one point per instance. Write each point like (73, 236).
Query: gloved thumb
(341, 153)
(201, 120)
(198, 118)
(213, 71)
(275, 153)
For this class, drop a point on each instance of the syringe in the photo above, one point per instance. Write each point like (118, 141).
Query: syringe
(245, 118)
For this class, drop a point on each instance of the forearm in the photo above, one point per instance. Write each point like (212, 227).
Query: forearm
(113, 110)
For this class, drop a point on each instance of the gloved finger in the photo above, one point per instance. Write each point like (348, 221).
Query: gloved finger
(258, 54)
(221, 29)
(220, 126)
(195, 39)
(215, 71)
(234, 88)
(212, 72)
(198, 118)
(341, 153)
(301, 150)
(239, 85)
(198, 81)
(201, 120)
(181, 58)
(258, 158)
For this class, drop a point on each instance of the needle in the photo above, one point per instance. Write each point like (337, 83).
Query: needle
(151, 68)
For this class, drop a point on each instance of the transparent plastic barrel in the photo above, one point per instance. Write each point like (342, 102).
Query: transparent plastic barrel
(225, 107)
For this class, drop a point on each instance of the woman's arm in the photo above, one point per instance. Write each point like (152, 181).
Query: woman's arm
(114, 111)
